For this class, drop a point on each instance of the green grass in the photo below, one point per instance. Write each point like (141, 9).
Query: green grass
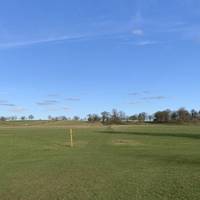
(42, 123)
(124, 162)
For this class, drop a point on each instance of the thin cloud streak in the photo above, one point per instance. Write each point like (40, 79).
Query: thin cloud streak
(42, 41)
(138, 32)
(146, 99)
(18, 110)
(47, 103)
(6, 103)
(134, 94)
(134, 103)
(154, 98)
(73, 99)
(132, 27)
(66, 108)
(138, 93)
(53, 95)
(146, 43)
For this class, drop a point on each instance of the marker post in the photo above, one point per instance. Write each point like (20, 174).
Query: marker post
(71, 138)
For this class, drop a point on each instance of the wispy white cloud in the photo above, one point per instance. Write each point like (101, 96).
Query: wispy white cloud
(17, 109)
(42, 41)
(154, 98)
(134, 102)
(51, 109)
(53, 95)
(66, 108)
(73, 99)
(12, 107)
(6, 103)
(47, 103)
(134, 93)
(168, 29)
(138, 32)
(151, 30)
(147, 99)
(138, 93)
(146, 43)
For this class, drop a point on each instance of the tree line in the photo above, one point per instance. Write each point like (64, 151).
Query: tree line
(120, 117)
(14, 118)
(165, 116)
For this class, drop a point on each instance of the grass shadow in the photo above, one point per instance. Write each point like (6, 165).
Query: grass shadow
(177, 135)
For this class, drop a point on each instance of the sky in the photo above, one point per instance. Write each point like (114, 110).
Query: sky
(75, 57)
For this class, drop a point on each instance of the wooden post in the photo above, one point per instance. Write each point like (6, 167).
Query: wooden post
(71, 138)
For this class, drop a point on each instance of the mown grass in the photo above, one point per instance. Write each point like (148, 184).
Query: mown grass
(122, 162)
(40, 122)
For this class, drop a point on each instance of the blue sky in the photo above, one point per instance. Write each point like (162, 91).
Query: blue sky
(74, 57)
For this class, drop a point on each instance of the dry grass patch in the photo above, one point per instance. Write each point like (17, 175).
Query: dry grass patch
(126, 142)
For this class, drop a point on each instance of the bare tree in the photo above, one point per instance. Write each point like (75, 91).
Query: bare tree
(76, 118)
(183, 114)
(105, 116)
(115, 117)
(23, 118)
(50, 117)
(30, 117)
(194, 114)
(94, 118)
(142, 116)
(133, 117)
(162, 116)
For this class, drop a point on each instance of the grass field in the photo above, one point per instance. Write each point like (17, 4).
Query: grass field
(142, 162)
